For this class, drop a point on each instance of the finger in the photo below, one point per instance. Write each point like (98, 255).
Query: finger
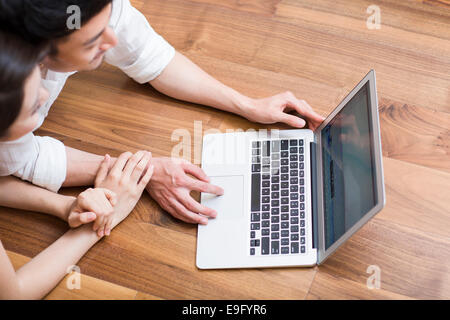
(196, 171)
(146, 178)
(204, 187)
(132, 163)
(76, 220)
(110, 195)
(140, 167)
(303, 108)
(196, 207)
(190, 216)
(117, 169)
(292, 120)
(108, 226)
(103, 170)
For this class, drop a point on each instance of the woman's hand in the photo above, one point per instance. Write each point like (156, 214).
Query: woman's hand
(92, 205)
(127, 179)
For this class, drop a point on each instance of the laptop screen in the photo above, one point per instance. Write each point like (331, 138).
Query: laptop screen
(348, 167)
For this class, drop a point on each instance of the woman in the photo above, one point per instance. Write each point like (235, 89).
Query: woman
(116, 192)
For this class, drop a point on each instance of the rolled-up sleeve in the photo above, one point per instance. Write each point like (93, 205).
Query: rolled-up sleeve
(141, 53)
(39, 160)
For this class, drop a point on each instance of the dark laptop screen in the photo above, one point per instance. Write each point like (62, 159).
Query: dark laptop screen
(348, 167)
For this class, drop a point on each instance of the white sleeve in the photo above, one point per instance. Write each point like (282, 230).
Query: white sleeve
(39, 160)
(141, 53)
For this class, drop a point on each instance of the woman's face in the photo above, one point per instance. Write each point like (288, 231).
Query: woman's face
(35, 96)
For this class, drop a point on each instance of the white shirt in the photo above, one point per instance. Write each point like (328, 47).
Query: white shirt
(141, 53)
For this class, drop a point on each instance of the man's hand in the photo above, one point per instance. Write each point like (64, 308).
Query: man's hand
(92, 205)
(274, 109)
(171, 186)
(127, 179)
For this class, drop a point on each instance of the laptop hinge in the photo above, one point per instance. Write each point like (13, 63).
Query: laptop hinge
(313, 162)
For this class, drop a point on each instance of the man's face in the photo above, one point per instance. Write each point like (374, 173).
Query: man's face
(84, 49)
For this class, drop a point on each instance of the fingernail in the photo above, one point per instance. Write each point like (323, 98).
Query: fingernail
(214, 214)
(204, 221)
(100, 233)
(108, 232)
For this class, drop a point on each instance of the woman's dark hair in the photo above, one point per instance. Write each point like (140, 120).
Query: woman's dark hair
(18, 58)
(40, 21)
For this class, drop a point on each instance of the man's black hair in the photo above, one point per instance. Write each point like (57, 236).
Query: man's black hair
(39, 21)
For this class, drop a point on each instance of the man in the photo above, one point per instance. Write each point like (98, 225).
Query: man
(115, 31)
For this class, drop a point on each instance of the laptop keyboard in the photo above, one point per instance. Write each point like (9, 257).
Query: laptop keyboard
(277, 216)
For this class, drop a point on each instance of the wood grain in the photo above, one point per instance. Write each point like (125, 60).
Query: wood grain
(318, 50)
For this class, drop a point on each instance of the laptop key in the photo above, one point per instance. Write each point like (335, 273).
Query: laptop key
(294, 247)
(284, 162)
(284, 216)
(275, 227)
(266, 215)
(284, 154)
(284, 145)
(276, 146)
(265, 245)
(284, 250)
(293, 149)
(252, 251)
(295, 229)
(275, 156)
(300, 142)
(284, 184)
(284, 241)
(256, 167)
(265, 207)
(265, 223)
(256, 192)
(294, 237)
(275, 235)
(275, 219)
(285, 233)
(265, 232)
(254, 226)
(303, 249)
(293, 142)
(275, 211)
(252, 234)
(284, 224)
(265, 192)
(266, 148)
(275, 247)
(293, 157)
(255, 216)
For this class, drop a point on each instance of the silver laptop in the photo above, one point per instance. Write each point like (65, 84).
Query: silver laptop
(292, 197)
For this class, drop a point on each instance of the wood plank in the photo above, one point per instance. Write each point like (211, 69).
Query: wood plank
(296, 50)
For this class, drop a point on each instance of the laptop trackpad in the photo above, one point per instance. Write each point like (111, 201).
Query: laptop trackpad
(230, 205)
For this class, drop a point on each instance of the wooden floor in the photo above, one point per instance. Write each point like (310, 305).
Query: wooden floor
(319, 50)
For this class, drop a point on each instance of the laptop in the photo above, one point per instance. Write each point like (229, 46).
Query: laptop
(292, 197)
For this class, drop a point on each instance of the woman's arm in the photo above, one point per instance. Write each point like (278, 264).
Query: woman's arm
(128, 178)
(35, 279)
(16, 193)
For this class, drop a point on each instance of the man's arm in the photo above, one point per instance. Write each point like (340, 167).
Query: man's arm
(82, 167)
(184, 80)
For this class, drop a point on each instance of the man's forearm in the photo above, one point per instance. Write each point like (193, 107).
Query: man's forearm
(82, 167)
(184, 80)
